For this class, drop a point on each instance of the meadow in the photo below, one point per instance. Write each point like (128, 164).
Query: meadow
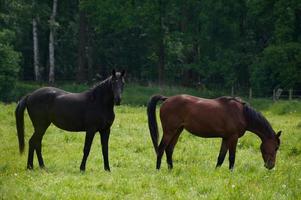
(132, 160)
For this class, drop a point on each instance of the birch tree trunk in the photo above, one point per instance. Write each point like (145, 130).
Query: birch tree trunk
(36, 52)
(51, 43)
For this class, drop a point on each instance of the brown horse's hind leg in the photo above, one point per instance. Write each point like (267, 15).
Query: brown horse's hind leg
(170, 148)
(232, 149)
(222, 153)
(163, 144)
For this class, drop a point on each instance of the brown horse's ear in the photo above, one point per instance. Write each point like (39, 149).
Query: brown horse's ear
(279, 133)
(123, 73)
(114, 73)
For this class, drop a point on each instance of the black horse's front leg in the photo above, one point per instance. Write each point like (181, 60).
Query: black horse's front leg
(104, 144)
(232, 149)
(88, 143)
(222, 153)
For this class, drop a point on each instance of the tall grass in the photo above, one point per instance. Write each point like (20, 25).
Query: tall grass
(132, 160)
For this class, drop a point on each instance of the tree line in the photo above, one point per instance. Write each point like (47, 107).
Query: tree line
(212, 44)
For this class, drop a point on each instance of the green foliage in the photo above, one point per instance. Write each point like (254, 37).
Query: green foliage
(217, 44)
(133, 161)
(279, 66)
(134, 94)
(9, 65)
(139, 95)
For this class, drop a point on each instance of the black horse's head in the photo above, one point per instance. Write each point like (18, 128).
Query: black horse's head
(117, 83)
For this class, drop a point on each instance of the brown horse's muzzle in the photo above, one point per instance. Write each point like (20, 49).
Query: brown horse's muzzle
(269, 165)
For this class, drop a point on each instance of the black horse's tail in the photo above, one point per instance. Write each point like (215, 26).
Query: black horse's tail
(152, 121)
(19, 114)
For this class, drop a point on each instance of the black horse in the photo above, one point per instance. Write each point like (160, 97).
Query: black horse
(89, 111)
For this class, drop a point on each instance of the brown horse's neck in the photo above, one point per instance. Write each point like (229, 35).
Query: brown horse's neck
(257, 123)
(262, 134)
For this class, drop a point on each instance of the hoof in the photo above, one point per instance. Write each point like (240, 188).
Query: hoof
(82, 168)
(29, 167)
(44, 168)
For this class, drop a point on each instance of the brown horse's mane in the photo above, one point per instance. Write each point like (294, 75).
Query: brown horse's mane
(256, 121)
(237, 99)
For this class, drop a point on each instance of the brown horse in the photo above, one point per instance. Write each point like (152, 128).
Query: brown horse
(225, 117)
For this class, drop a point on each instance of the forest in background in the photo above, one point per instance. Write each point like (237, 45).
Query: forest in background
(194, 43)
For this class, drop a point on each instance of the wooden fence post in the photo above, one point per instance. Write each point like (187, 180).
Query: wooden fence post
(250, 94)
(290, 96)
(274, 95)
(232, 91)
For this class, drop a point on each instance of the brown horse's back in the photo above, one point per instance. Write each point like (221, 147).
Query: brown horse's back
(203, 117)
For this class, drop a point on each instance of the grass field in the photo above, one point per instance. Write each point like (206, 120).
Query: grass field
(132, 161)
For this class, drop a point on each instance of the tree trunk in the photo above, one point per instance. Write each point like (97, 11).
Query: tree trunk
(82, 43)
(36, 52)
(51, 43)
(161, 50)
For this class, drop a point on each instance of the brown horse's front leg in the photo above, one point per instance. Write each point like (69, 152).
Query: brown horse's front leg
(222, 153)
(232, 142)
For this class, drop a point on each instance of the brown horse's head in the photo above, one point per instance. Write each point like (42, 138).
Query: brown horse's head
(269, 149)
(117, 82)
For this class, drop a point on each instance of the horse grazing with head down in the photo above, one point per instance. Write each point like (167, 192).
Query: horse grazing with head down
(89, 111)
(225, 117)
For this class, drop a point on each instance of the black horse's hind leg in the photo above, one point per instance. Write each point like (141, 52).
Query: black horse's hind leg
(88, 142)
(39, 153)
(222, 153)
(35, 144)
(38, 145)
(30, 152)
(104, 146)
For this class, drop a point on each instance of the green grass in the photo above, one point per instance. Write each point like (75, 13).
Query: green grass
(132, 161)
(134, 94)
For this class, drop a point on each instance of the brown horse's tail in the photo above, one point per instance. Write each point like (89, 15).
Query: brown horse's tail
(152, 121)
(19, 113)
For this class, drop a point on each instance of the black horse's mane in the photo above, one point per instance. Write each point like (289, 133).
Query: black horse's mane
(100, 87)
(256, 121)
(102, 83)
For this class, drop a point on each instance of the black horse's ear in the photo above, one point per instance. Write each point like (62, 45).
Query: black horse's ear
(93, 95)
(123, 73)
(279, 133)
(114, 73)
(98, 77)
